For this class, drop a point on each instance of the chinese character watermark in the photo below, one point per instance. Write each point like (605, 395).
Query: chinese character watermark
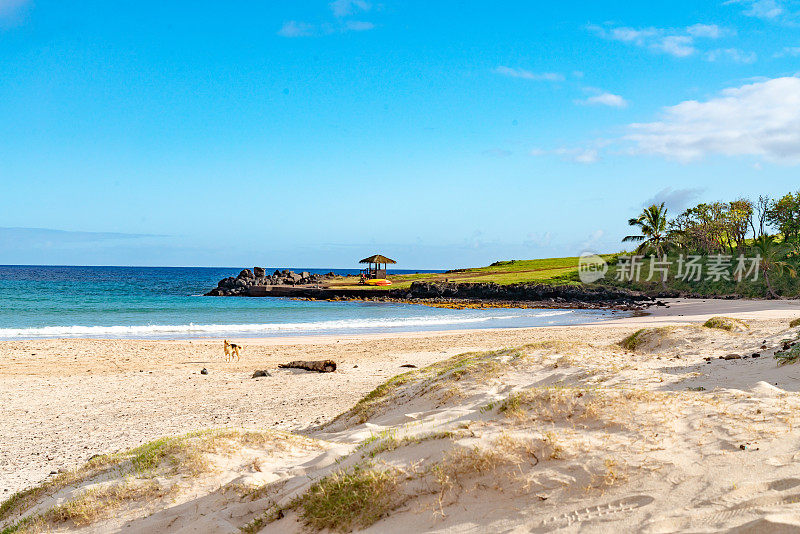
(687, 268)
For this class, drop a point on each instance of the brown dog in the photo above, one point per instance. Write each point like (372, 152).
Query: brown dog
(231, 351)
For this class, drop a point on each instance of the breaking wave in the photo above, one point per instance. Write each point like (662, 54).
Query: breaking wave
(530, 317)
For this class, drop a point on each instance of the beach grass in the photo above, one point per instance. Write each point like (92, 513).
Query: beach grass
(358, 498)
(726, 323)
(138, 470)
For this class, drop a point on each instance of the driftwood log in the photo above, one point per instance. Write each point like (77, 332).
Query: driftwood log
(320, 366)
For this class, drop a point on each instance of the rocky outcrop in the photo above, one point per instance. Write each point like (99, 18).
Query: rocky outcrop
(246, 279)
(523, 292)
(305, 285)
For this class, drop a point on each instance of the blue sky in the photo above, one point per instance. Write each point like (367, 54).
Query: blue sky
(444, 134)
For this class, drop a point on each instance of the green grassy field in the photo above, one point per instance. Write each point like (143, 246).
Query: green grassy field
(544, 271)
(558, 271)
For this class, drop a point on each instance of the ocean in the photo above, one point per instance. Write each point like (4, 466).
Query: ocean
(167, 303)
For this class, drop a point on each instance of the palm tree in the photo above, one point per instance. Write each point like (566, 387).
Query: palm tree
(652, 224)
(773, 259)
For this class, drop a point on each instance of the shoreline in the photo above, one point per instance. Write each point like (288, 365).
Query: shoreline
(673, 311)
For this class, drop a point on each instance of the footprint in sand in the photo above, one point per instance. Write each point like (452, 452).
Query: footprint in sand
(604, 512)
(721, 518)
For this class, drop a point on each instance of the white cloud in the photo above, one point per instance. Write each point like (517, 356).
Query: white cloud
(759, 119)
(343, 8)
(677, 45)
(675, 199)
(676, 42)
(605, 99)
(528, 75)
(584, 155)
(792, 51)
(763, 9)
(712, 31)
(292, 28)
(732, 54)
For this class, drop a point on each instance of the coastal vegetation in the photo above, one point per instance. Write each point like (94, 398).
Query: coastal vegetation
(742, 248)
(726, 323)
(737, 248)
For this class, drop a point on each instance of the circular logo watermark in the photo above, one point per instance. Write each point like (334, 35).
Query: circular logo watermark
(591, 267)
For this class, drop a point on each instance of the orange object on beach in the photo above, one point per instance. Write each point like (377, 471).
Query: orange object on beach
(378, 282)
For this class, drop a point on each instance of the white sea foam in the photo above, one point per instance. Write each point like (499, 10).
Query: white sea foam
(200, 330)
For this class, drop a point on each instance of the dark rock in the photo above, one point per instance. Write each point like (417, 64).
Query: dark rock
(756, 355)
(259, 272)
(246, 274)
(411, 365)
(261, 373)
(204, 371)
(227, 282)
(731, 357)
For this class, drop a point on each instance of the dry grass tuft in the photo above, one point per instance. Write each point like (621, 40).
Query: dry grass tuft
(645, 336)
(573, 405)
(100, 503)
(727, 323)
(349, 499)
(438, 376)
(794, 323)
(185, 455)
(463, 462)
(553, 448)
(389, 442)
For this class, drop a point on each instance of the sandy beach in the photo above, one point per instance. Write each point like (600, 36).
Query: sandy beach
(704, 444)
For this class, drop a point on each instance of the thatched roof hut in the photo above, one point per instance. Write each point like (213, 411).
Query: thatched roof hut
(374, 269)
(377, 258)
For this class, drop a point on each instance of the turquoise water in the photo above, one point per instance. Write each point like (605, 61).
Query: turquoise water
(167, 303)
